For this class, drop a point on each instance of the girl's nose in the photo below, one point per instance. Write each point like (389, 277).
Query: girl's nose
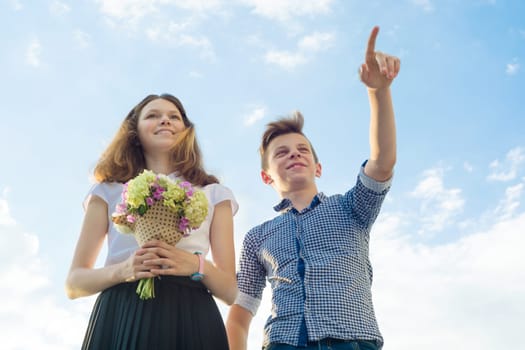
(165, 120)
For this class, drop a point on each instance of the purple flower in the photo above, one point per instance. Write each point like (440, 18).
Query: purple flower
(183, 224)
(187, 187)
(130, 218)
(150, 201)
(157, 195)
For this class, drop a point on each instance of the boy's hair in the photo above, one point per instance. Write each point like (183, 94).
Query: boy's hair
(287, 125)
(124, 157)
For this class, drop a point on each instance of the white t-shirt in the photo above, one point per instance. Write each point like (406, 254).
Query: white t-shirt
(121, 245)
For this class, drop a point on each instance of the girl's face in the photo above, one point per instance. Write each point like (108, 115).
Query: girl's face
(158, 125)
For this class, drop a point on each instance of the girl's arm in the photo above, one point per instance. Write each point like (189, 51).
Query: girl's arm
(83, 279)
(220, 275)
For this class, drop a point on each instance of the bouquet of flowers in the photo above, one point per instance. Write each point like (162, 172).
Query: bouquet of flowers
(155, 207)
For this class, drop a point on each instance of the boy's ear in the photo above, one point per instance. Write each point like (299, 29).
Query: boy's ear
(318, 170)
(266, 178)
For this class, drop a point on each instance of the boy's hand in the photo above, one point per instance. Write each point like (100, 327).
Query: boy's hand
(379, 69)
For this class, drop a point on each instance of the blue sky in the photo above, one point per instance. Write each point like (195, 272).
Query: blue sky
(446, 247)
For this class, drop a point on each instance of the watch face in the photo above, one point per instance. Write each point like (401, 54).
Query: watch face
(196, 277)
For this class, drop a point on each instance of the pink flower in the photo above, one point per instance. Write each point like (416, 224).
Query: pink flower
(150, 201)
(121, 208)
(130, 218)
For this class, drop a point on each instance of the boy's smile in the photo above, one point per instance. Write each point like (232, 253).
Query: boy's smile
(296, 165)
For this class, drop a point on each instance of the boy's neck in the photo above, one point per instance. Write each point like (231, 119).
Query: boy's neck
(300, 198)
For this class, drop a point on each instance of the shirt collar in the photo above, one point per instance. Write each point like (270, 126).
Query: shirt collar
(285, 204)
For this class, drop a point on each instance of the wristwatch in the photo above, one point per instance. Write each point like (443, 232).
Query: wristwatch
(199, 275)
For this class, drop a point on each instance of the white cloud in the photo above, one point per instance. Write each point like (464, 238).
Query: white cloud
(317, 42)
(27, 299)
(196, 75)
(5, 217)
(33, 52)
(307, 47)
(176, 34)
(426, 5)
(468, 167)
(257, 114)
(197, 5)
(512, 68)
(508, 170)
(424, 294)
(149, 17)
(284, 10)
(82, 39)
(201, 43)
(510, 203)
(285, 59)
(127, 10)
(59, 8)
(16, 5)
(131, 12)
(439, 205)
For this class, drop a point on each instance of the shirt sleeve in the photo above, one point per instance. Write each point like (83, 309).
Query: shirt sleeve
(99, 190)
(364, 200)
(251, 275)
(219, 193)
(370, 183)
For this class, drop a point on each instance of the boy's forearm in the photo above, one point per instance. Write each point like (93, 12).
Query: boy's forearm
(382, 133)
(237, 336)
(237, 327)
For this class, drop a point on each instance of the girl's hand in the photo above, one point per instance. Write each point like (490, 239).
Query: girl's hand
(379, 69)
(134, 268)
(170, 260)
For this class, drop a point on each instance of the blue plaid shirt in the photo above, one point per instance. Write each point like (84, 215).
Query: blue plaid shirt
(317, 264)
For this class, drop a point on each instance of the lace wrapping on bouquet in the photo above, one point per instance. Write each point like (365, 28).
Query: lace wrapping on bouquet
(159, 222)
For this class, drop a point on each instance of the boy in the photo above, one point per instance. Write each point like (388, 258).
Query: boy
(315, 253)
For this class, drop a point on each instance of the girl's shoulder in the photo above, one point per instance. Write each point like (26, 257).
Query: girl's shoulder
(108, 191)
(217, 193)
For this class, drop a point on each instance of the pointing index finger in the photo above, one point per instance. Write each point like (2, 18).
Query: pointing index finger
(370, 49)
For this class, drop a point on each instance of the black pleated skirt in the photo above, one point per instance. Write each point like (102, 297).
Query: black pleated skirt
(183, 316)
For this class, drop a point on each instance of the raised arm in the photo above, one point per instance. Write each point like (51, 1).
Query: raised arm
(377, 73)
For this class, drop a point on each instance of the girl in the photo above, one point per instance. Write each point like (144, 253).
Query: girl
(156, 135)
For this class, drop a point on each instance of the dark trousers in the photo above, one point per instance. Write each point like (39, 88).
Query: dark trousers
(328, 344)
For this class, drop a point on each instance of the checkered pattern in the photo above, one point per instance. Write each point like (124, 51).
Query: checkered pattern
(331, 236)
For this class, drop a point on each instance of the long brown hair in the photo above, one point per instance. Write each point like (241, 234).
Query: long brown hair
(124, 158)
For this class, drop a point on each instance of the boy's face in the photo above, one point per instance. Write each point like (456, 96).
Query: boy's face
(291, 164)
